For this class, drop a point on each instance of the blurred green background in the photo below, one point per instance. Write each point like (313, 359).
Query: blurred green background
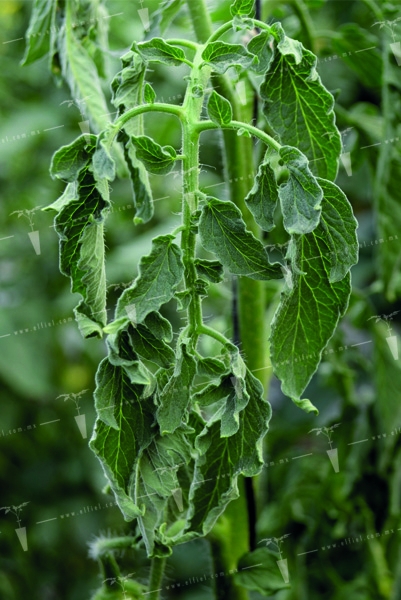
(44, 458)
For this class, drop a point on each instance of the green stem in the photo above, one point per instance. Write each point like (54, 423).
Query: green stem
(192, 108)
(236, 125)
(181, 42)
(172, 109)
(106, 545)
(214, 334)
(155, 579)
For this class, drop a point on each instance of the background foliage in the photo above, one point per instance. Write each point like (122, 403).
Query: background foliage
(358, 384)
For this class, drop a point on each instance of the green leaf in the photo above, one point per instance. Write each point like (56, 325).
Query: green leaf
(103, 165)
(157, 159)
(123, 430)
(298, 107)
(220, 56)
(150, 347)
(242, 7)
(219, 109)
(316, 299)
(127, 84)
(142, 193)
(158, 475)
(223, 232)
(231, 392)
(260, 45)
(221, 460)
(159, 326)
(157, 50)
(80, 225)
(149, 94)
(80, 72)
(263, 197)
(69, 160)
(160, 273)
(301, 195)
(39, 39)
(212, 270)
(350, 42)
(211, 367)
(259, 571)
(340, 225)
(175, 397)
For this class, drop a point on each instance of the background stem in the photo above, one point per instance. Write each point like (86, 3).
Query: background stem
(156, 576)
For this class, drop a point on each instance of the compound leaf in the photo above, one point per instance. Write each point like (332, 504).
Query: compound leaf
(79, 223)
(222, 460)
(119, 445)
(312, 305)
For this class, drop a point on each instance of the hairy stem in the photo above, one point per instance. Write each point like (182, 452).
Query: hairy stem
(192, 107)
(155, 579)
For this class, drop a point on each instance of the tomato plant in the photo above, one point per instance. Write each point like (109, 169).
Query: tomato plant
(182, 414)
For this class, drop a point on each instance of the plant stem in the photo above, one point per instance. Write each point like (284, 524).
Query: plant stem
(236, 125)
(156, 576)
(191, 109)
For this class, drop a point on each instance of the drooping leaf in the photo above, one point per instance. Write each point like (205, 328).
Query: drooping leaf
(80, 72)
(160, 273)
(317, 298)
(261, 46)
(223, 232)
(157, 488)
(79, 223)
(127, 84)
(175, 397)
(220, 56)
(150, 347)
(242, 7)
(157, 159)
(142, 193)
(118, 448)
(298, 107)
(301, 195)
(211, 367)
(69, 160)
(222, 460)
(219, 109)
(212, 270)
(39, 35)
(103, 164)
(263, 197)
(259, 571)
(340, 225)
(158, 50)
